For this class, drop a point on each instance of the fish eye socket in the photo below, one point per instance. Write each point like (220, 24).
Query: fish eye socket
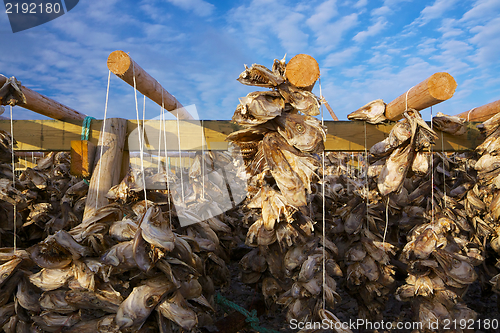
(300, 128)
(150, 301)
(5, 275)
(401, 169)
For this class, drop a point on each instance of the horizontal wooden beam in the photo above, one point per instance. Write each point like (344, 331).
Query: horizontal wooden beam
(46, 106)
(481, 113)
(53, 135)
(123, 66)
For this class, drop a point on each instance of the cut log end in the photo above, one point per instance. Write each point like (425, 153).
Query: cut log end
(119, 62)
(442, 86)
(302, 71)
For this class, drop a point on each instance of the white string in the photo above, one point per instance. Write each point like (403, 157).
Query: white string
(386, 219)
(203, 160)
(468, 114)
(160, 132)
(13, 177)
(432, 177)
(167, 164)
(180, 157)
(366, 178)
(406, 107)
(323, 201)
(444, 175)
(139, 132)
(101, 136)
(143, 145)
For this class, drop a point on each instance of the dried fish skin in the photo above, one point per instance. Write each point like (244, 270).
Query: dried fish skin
(55, 301)
(259, 76)
(262, 105)
(50, 279)
(301, 100)
(156, 230)
(137, 307)
(372, 112)
(286, 178)
(87, 299)
(8, 268)
(177, 310)
(394, 171)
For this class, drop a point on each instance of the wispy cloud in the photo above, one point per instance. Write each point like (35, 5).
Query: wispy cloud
(487, 40)
(434, 11)
(341, 57)
(198, 7)
(372, 30)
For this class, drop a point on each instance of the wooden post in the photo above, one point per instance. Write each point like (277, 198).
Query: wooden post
(46, 106)
(82, 158)
(435, 89)
(302, 71)
(125, 67)
(481, 113)
(112, 141)
(329, 108)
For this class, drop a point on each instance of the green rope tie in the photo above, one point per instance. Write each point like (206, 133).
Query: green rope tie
(86, 127)
(251, 316)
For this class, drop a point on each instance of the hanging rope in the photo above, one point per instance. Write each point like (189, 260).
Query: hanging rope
(160, 132)
(323, 200)
(202, 160)
(180, 158)
(101, 135)
(139, 133)
(251, 316)
(432, 176)
(142, 150)
(13, 176)
(406, 107)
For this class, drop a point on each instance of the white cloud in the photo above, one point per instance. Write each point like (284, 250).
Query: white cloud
(372, 30)
(487, 40)
(198, 7)
(361, 4)
(341, 57)
(482, 10)
(436, 10)
(329, 36)
(381, 11)
(323, 14)
(449, 28)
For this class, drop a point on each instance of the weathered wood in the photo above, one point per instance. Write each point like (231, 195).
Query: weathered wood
(47, 106)
(481, 113)
(106, 168)
(435, 89)
(121, 64)
(82, 158)
(330, 110)
(302, 71)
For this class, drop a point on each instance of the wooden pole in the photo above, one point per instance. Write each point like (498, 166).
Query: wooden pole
(106, 169)
(302, 71)
(121, 64)
(435, 89)
(481, 113)
(47, 107)
(329, 108)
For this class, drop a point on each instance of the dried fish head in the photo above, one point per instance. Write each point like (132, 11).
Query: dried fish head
(373, 112)
(177, 310)
(449, 124)
(262, 105)
(137, 307)
(303, 132)
(260, 76)
(394, 171)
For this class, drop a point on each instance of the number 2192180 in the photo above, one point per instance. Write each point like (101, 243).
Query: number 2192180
(32, 8)
(470, 324)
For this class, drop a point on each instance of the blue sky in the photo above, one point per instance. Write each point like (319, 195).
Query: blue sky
(196, 49)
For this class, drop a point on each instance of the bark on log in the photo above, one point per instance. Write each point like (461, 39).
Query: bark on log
(435, 89)
(302, 71)
(46, 106)
(121, 64)
(481, 113)
(112, 141)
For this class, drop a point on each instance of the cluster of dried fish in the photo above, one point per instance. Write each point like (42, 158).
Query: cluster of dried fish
(130, 267)
(279, 142)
